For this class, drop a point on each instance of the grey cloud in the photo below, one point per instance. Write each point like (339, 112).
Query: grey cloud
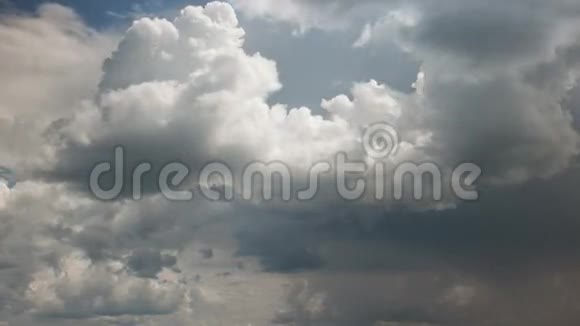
(499, 121)
(148, 263)
(485, 33)
(515, 249)
(50, 62)
(511, 108)
(206, 253)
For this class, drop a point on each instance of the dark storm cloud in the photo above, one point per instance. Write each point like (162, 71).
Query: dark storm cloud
(517, 228)
(486, 33)
(282, 245)
(515, 248)
(148, 263)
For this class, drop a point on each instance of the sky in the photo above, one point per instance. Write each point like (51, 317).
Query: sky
(484, 93)
(102, 14)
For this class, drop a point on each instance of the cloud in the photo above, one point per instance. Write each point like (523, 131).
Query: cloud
(78, 290)
(500, 90)
(50, 62)
(306, 14)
